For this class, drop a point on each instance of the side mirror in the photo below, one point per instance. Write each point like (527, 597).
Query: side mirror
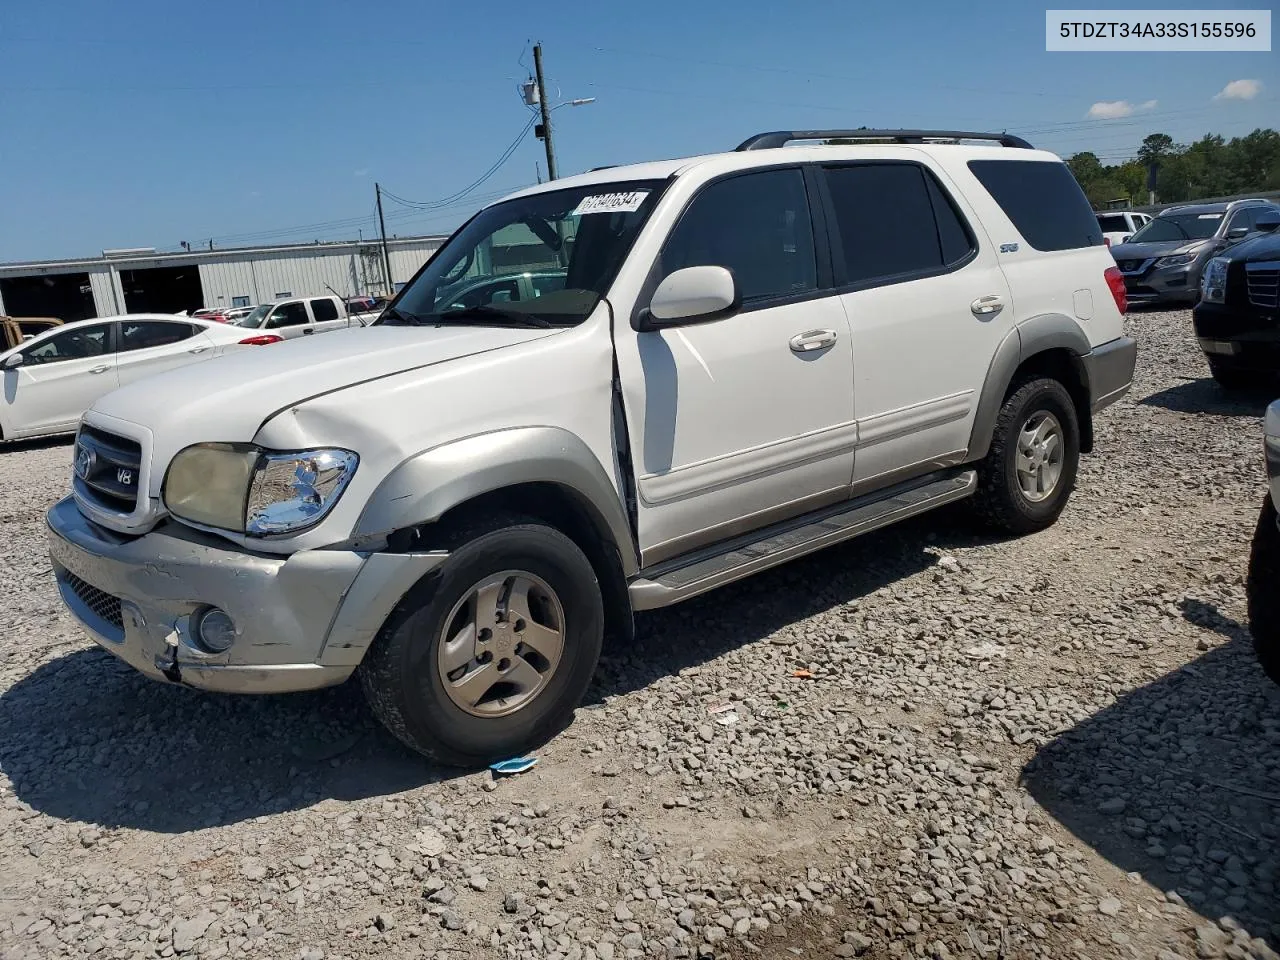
(13, 361)
(691, 295)
(1237, 233)
(1268, 222)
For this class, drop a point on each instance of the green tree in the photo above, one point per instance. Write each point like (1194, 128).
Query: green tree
(1086, 167)
(1155, 146)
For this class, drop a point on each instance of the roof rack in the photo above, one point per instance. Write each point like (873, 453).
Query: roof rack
(780, 138)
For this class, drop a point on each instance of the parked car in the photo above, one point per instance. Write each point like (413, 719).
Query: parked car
(1164, 260)
(1237, 320)
(743, 366)
(1119, 225)
(1263, 582)
(16, 330)
(235, 313)
(51, 379)
(298, 316)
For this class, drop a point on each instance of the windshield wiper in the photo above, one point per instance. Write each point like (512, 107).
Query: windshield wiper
(409, 319)
(487, 314)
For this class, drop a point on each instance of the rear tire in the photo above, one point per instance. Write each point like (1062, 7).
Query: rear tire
(1263, 590)
(1027, 475)
(464, 699)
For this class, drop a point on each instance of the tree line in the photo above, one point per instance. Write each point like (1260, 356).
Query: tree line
(1210, 167)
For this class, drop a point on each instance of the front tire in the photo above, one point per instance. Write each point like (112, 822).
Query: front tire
(1263, 590)
(494, 659)
(1027, 475)
(1233, 378)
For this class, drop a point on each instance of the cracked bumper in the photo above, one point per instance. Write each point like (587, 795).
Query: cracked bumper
(302, 621)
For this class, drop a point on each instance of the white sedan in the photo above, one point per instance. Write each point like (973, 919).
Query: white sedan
(51, 379)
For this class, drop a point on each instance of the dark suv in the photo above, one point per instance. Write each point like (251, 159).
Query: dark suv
(1264, 558)
(1238, 317)
(1163, 261)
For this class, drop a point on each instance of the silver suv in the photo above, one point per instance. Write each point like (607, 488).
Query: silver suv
(1163, 261)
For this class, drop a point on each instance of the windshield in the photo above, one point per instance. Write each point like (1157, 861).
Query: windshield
(544, 259)
(1179, 226)
(255, 317)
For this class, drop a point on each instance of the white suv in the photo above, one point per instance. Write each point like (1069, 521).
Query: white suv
(753, 355)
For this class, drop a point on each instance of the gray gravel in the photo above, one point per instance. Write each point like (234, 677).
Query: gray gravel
(1057, 746)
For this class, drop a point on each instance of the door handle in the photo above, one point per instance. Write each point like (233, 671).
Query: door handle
(812, 340)
(985, 306)
(307, 332)
(197, 350)
(102, 369)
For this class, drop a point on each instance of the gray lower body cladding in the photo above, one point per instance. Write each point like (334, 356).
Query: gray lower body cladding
(1109, 368)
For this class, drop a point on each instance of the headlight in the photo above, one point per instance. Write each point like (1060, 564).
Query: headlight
(1213, 285)
(206, 484)
(1178, 260)
(294, 490)
(245, 489)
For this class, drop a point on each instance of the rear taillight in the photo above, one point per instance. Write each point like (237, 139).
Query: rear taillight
(1115, 280)
(262, 340)
(1107, 241)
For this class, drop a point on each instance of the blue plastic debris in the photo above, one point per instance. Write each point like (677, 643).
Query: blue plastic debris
(514, 765)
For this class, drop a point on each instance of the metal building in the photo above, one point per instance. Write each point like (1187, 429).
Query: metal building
(143, 281)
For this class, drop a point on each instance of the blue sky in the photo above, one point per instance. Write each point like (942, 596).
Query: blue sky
(148, 123)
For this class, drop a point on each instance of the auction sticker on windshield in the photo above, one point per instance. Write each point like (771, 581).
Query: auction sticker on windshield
(627, 202)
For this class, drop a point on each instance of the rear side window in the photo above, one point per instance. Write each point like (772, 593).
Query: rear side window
(289, 315)
(139, 335)
(324, 310)
(1114, 223)
(757, 226)
(894, 221)
(1043, 200)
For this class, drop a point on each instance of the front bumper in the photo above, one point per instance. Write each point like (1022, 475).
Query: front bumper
(1109, 368)
(1239, 336)
(1160, 284)
(302, 621)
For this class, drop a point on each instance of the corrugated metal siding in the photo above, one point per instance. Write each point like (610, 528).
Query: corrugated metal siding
(305, 273)
(107, 300)
(350, 268)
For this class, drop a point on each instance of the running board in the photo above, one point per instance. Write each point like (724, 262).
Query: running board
(686, 577)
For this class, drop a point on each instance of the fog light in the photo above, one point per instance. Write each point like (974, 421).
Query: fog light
(214, 630)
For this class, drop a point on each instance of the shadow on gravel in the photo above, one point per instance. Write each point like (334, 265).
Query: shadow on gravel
(85, 738)
(1205, 396)
(1180, 781)
(36, 443)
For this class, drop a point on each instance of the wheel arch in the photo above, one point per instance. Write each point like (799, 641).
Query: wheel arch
(545, 473)
(1051, 345)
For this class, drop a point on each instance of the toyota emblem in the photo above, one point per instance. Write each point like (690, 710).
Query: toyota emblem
(85, 460)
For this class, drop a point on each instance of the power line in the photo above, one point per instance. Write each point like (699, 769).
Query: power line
(433, 204)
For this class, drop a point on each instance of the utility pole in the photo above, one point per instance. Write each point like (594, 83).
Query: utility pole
(546, 112)
(382, 229)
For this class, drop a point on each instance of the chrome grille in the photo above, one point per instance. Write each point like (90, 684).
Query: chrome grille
(1263, 282)
(99, 601)
(107, 469)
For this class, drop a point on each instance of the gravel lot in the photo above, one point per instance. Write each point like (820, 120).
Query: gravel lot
(1058, 746)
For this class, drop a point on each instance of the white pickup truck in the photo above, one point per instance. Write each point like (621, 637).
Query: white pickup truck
(740, 366)
(301, 316)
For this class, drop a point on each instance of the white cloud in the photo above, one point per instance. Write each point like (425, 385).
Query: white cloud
(1115, 109)
(1240, 90)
